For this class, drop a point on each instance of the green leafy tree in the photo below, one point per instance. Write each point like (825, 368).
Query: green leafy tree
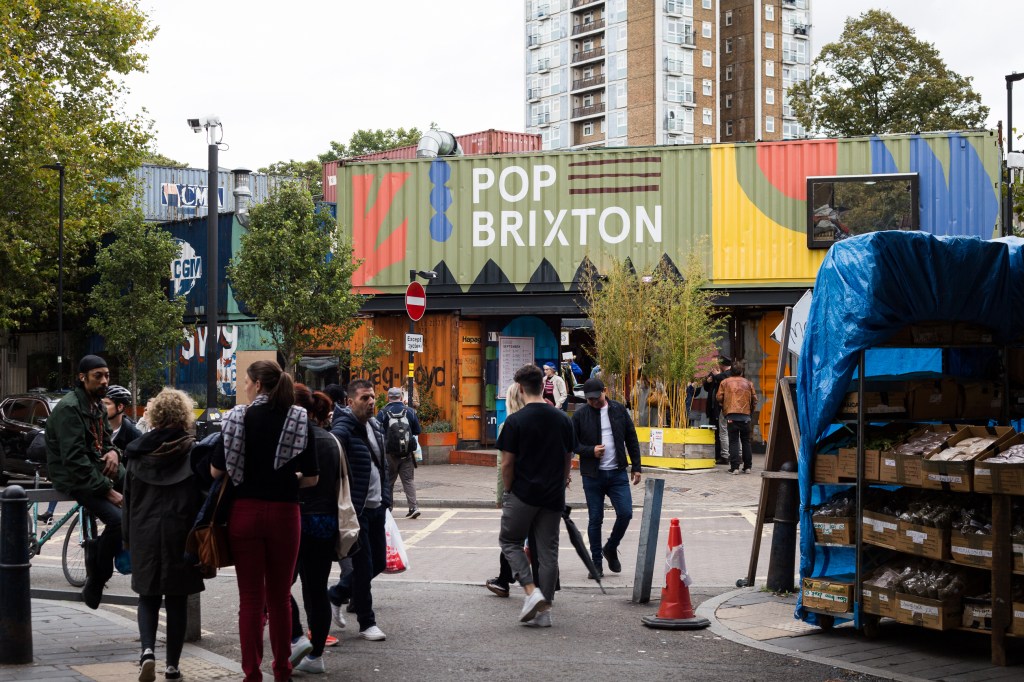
(61, 100)
(294, 271)
(310, 172)
(133, 313)
(158, 159)
(880, 78)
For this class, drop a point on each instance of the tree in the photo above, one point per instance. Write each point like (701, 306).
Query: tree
(158, 159)
(310, 172)
(879, 78)
(61, 100)
(133, 313)
(294, 272)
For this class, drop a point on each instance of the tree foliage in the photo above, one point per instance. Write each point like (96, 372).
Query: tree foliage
(133, 313)
(294, 272)
(880, 78)
(60, 100)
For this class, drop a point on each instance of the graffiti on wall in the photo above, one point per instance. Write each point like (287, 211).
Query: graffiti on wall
(425, 377)
(192, 357)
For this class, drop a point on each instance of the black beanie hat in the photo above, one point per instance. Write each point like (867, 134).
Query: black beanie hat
(89, 363)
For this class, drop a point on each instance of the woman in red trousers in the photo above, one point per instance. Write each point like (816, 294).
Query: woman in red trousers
(268, 454)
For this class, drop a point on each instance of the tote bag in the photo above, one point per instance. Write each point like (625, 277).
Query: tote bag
(348, 520)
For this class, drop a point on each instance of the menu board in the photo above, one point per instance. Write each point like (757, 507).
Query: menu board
(513, 353)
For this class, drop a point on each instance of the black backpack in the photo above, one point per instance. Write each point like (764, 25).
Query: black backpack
(398, 439)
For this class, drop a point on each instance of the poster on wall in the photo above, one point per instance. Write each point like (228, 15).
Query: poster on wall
(657, 443)
(513, 353)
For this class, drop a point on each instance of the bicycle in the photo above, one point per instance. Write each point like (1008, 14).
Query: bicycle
(81, 528)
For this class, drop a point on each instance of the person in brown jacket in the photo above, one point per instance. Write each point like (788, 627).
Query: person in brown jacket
(738, 399)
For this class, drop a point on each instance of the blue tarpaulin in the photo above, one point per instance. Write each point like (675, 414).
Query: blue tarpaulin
(868, 288)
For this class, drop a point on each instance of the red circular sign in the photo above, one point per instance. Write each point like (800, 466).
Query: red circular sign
(415, 301)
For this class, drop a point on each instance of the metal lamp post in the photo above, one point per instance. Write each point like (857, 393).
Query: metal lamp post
(59, 167)
(1008, 212)
(428, 275)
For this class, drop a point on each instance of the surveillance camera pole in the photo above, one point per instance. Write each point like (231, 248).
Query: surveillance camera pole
(213, 274)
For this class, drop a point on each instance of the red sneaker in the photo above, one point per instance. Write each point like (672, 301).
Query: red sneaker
(331, 639)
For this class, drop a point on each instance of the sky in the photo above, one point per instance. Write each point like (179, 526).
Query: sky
(288, 78)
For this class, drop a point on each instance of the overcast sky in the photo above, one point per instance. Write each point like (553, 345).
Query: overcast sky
(287, 78)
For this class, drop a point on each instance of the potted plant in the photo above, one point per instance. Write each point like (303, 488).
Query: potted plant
(437, 436)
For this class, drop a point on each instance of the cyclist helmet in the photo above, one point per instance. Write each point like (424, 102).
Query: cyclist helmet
(119, 394)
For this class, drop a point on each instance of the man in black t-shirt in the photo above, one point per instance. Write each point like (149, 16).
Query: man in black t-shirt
(536, 446)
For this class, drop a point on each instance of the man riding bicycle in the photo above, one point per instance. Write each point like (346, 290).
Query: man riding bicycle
(84, 464)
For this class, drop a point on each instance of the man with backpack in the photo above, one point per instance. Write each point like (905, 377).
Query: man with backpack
(401, 427)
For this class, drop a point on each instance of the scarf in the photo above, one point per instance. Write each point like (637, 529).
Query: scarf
(291, 442)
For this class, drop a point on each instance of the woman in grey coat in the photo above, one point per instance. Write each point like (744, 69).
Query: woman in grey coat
(161, 501)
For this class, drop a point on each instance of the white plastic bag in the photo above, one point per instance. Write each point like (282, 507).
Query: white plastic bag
(397, 559)
(419, 452)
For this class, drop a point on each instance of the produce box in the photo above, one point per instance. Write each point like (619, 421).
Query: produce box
(909, 464)
(879, 529)
(891, 404)
(908, 470)
(848, 464)
(1006, 478)
(826, 468)
(832, 594)
(965, 332)
(933, 399)
(959, 475)
(971, 550)
(981, 400)
(932, 333)
(880, 601)
(887, 471)
(1017, 624)
(934, 614)
(833, 530)
(977, 614)
(925, 541)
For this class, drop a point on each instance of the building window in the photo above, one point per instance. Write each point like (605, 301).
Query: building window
(588, 129)
(728, 45)
(769, 124)
(728, 18)
(769, 96)
(769, 68)
(705, 57)
(707, 117)
(769, 12)
(728, 128)
(707, 87)
(588, 100)
(602, 126)
(769, 41)
(728, 73)
(588, 44)
(705, 29)
(706, 4)
(728, 101)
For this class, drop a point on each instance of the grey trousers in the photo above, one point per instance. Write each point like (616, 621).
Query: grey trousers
(404, 467)
(517, 520)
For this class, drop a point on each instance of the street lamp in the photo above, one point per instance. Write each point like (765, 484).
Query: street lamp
(209, 421)
(59, 167)
(1008, 220)
(425, 274)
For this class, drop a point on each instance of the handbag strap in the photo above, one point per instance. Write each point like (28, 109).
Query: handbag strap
(224, 483)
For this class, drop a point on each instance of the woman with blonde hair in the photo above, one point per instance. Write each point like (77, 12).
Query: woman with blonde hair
(161, 500)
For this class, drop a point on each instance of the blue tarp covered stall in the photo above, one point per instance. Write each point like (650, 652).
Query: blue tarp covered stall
(868, 288)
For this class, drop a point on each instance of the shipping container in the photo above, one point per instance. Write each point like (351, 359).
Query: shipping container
(475, 144)
(188, 271)
(167, 194)
(742, 209)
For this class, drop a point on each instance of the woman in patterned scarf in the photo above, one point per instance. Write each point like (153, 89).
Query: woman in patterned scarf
(268, 454)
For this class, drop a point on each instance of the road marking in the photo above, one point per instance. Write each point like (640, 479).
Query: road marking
(434, 525)
(749, 515)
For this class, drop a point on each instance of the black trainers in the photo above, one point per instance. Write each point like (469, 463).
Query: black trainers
(413, 514)
(497, 587)
(45, 517)
(147, 666)
(599, 576)
(612, 557)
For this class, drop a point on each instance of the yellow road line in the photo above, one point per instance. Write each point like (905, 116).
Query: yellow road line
(434, 525)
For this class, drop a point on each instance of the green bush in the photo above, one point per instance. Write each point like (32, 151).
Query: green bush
(439, 426)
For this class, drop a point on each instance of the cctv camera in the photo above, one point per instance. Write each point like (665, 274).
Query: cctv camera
(195, 124)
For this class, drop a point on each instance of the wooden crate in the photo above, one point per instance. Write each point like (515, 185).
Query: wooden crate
(833, 529)
(830, 594)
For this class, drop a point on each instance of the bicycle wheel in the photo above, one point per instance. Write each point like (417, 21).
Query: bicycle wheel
(72, 557)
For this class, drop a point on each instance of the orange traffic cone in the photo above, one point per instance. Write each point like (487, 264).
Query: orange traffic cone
(676, 610)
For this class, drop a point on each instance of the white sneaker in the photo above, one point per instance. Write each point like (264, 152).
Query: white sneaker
(338, 615)
(373, 633)
(300, 648)
(542, 620)
(531, 606)
(312, 665)
(147, 666)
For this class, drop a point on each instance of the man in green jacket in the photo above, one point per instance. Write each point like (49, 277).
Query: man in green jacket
(84, 464)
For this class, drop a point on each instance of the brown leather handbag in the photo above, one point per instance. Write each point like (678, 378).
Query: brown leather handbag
(208, 541)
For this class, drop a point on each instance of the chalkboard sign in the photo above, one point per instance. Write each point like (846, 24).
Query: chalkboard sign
(513, 353)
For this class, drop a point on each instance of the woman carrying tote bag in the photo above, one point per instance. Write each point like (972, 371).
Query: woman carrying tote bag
(161, 497)
(268, 454)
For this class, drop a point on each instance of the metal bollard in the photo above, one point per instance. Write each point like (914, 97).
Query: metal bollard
(15, 596)
(647, 551)
(782, 564)
(193, 624)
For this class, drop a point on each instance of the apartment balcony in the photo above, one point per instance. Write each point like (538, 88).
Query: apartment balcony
(541, 13)
(787, 111)
(684, 39)
(801, 30)
(576, 4)
(684, 97)
(588, 55)
(533, 94)
(587, 83)
(794, 57)
(678, 125)
(677, 8)
(541, 120)
(543, 65)
(677, 67)
(588, 111)
(532, 42)
(588, 26)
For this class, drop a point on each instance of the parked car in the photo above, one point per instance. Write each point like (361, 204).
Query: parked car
(22, 418)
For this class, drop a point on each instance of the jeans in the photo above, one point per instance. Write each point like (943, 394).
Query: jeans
(615, 485)
(739, 433)
(404, 467)
(264, 539)
(177, 616)
(367, 564)
(109, 542)
(518, 520)
(341, 592)
(316, 556)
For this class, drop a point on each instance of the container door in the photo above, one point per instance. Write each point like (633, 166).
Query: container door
(471, 380)
(769, 366)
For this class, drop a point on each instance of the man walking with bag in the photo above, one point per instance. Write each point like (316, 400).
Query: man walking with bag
(401, 427)
(739, 400)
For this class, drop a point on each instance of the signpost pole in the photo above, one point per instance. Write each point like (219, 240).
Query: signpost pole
(412, 358)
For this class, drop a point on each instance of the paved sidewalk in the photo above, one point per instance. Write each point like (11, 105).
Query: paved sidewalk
(73, 643)
(765, 621)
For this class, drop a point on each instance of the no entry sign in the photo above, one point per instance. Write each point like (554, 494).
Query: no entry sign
(415, 301)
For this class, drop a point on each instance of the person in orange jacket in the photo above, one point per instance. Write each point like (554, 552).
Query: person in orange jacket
(738, 399)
